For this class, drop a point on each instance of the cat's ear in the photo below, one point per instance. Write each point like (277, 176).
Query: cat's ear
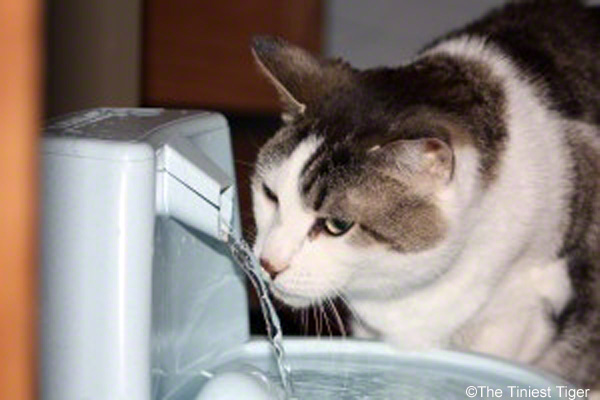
(299, 77)
(426, 160)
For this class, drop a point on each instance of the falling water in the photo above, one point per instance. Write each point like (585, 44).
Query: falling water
(244, 256)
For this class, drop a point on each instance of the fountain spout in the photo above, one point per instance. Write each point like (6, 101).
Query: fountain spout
(191, 188)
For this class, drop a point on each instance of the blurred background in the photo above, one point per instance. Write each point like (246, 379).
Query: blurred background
(60, 56)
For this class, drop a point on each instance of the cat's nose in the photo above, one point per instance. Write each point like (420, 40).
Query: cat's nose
(270, 268)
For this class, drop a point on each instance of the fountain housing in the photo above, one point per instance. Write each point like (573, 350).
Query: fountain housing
(135, 280)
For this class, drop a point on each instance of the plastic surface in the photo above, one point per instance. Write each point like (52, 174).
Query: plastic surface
(199, 310)
(333, 369)
(239, 385)
(190, 186)
(129, 299)
(200, 307)
(97, 230)
(183, 175)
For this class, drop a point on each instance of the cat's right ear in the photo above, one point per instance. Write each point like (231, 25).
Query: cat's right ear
(426, 162)
(300, 78)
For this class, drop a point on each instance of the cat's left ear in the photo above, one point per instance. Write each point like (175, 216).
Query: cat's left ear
(426, 160)
(300, 78)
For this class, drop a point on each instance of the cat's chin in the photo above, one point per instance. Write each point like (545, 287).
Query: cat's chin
(292, 300)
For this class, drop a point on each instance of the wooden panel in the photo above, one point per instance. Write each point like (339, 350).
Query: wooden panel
(196, 52)
(93, 54)
(19, 114)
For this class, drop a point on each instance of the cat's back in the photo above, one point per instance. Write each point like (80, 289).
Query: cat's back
(553, 50)
(555, 44)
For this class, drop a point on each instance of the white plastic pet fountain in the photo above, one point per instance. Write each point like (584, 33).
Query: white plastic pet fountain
(141, 300)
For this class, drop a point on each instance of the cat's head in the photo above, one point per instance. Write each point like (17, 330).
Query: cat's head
(357, 192)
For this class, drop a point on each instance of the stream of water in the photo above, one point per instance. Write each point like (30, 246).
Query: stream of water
(243, 255)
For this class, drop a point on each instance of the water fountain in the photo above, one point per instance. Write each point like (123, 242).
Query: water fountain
(141, 298)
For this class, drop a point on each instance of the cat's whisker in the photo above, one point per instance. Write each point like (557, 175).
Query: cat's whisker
(314, 312)
(305, 320)
(331, 314)
(347, 304)
(248, 232)
(245, 163)
(326, 318)
(250, 238)
(321, 321)
(337, 317)
(320, 315)
(353, 313)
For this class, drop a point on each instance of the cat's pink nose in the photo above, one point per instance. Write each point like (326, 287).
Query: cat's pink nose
(267, 266)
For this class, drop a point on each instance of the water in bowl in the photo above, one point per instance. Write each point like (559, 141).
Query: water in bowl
(363, 370)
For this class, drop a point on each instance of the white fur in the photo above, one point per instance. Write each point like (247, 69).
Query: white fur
(504, 241)
(488, 283)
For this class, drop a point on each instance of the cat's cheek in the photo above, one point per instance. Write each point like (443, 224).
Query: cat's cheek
(264, 219)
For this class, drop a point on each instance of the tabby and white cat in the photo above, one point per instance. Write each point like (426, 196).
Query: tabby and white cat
(453, 201)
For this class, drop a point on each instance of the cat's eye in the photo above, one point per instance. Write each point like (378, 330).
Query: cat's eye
(270, 195)
(336, 226)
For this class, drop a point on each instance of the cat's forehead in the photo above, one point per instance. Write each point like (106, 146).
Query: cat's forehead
(301, 144)
(329, 153)
(320, 180)
(339, 139)
(339, 129)
(283, 157)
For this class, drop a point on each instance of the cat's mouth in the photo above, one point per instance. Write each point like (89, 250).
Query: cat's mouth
(293, 300)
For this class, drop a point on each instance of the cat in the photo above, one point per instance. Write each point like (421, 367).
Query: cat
(454, 201)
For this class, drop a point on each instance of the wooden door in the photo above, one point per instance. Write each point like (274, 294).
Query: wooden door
(197, 52)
